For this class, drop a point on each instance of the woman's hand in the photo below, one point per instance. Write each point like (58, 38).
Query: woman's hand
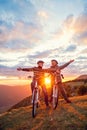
(71, 61)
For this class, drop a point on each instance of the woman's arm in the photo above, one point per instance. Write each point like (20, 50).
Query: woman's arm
(65, 65)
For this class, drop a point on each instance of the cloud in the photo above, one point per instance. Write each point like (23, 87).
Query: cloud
(7, 71)
(81, 38)
(80, 24)
(68, 22)
(42, 14)
(17, 10)
(41, 54)
(82, 58)
(58, 34)
(80, 29)
(65, 32)
(46, 55)
(84, 51)
(73, 29)
(28, 32)
(31, 59)
(11, 72)
(71, 48)
(20, 36)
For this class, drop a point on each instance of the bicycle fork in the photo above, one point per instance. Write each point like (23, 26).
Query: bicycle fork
(55, 91)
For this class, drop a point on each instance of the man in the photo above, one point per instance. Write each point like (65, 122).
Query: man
(38, 75)
(54, 66)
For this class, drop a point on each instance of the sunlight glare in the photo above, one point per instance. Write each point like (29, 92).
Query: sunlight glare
(47, 80)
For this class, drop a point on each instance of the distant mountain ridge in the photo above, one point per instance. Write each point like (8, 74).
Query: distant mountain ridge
(81, 77)
(10, 95)
(23, 103)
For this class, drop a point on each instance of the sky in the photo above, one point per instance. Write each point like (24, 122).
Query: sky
(32, 30)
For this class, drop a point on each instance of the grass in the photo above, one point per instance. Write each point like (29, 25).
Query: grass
(66, 117)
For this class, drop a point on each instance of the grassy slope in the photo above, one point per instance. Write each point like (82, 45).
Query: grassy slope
(65, 117)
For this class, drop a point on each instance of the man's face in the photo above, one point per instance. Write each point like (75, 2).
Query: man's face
(53, 63)
(40, 64)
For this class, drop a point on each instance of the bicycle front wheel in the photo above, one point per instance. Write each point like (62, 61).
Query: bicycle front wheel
(35, 104)
(55, 97)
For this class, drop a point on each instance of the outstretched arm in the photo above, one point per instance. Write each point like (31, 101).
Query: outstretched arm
(48, 70)
(65, 65)
(35, 69)
(25, 69)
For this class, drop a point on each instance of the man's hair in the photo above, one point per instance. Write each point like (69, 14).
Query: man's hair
(40, 61)
(54, 60)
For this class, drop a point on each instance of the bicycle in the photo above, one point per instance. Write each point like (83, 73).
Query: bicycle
(56, 92)
(35, 99)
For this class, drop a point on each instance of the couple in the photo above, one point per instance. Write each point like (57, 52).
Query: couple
(39, 74)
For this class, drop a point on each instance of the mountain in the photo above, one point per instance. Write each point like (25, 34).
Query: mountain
(25, 102)
(82, 77)
(10, 95)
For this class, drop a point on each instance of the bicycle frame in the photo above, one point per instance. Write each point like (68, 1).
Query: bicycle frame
(55, 94)
(35, 91)
(35, 99)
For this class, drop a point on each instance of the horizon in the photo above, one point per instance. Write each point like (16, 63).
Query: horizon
(21, 82)
(32, 30)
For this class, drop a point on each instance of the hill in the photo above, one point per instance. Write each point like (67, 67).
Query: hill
(25, 102)
(76, 87)
(10, 95)
(66, 117)
(82, 77)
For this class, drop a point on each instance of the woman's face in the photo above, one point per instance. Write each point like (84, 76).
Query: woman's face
(53, 63)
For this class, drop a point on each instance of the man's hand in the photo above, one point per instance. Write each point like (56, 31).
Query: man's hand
(71, 61)
(19, 69)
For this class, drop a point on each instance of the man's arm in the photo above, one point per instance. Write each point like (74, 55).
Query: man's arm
(25, 69)
(65, 65)
(48, 70)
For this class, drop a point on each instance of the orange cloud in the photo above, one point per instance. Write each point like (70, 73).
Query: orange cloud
(73, 29)
(80, 24)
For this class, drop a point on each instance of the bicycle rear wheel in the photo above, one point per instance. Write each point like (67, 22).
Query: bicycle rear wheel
(35, 104)
(55, 97)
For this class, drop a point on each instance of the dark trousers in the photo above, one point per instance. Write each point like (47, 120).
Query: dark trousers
(61, 90)
(43, 89)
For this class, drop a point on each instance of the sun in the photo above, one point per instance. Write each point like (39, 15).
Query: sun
(47, 80)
